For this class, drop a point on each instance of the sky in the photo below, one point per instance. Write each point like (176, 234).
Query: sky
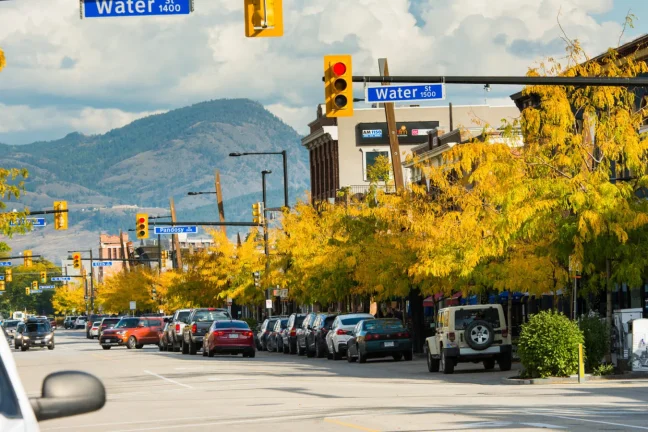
(65, 74)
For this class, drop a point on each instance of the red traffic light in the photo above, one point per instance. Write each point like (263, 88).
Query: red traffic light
(339, 68)
(141, 220)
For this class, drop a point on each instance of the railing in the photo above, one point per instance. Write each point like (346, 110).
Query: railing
(364, 189)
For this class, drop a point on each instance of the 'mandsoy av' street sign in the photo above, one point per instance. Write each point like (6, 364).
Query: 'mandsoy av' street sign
(117, 8)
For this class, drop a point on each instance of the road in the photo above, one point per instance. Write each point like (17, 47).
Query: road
(150, 390)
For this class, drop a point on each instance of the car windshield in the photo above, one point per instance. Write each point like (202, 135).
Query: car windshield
(96, 324)
(9, 324)
(128, 323)
(231, 324)
(271, 324)
(328, 321)
(110, 321)
(353, 321)
(463, 317)
(299, 320)
(206, 316)
(183, 315)
(383, 325)
(38, 327)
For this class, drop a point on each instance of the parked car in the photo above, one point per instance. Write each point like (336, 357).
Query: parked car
(274, 342)
(264, 332)
(231, 337)
(10, 326)
(108, 323)
(377, 338)
(163, 343)
(198, 323)
(469, 334)
(317, 337)
(34, 333)
(174, 331)
(94, 329)
(52, 322)
(132, 332)
(90, 321)
(80, 322)
(68, 323)
(303, 334)
(289, 341)
(341, 331)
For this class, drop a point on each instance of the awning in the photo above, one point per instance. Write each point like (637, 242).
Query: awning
(428, 302)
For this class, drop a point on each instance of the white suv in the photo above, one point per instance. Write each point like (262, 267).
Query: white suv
(469, 334)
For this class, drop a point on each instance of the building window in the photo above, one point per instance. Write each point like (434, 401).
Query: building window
(370, 158)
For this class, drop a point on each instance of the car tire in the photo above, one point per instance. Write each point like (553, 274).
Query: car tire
(185, 348)
(192, 348)
(204, 353)
(408, 355)
(504, 362)
(446, 365)
(361, 358)
(292, 348)
(132, 343)
(489, 364)
(397, 357)
(318, 350)
(432, 363)
(350, 358)
(106, 347)
(286, 348)
(50, 347)
(161, 346)
(336, 354)
(479, 335)
(252, 354)
(300, 351)
(210, 353)
(23, 348)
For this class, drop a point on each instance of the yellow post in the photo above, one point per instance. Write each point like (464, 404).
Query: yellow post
(581, 364)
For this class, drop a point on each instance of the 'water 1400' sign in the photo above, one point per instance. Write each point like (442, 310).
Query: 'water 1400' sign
(176, 230)
(117, 8)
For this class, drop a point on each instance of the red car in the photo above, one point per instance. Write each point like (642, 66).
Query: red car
(133, 333)
(231, 337)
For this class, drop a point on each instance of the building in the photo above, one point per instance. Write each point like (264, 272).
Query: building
(342, 148)
(111, 248)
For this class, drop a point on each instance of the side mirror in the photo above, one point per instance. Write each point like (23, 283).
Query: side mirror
(68, 393)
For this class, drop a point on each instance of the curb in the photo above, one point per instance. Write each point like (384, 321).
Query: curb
(620, 379)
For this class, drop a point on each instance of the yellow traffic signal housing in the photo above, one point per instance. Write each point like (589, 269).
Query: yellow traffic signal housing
(338, 85)
(76, 260)
(164, 257)
(60, 219)
(257, 213)
(34, 285)
(43, 277)
(8, 275)
(264, 18)
(142, 226)
(27, 257)
(2, 285)
(27, 290)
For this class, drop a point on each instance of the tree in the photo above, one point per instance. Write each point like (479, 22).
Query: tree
(69, 299)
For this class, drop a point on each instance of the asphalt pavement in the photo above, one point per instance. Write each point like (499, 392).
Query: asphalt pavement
(149, 390)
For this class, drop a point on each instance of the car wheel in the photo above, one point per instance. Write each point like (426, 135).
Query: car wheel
(309, 353)
(504, 362)
(361, 358)
(204, 353)
(50, 347)
(446, 365)
(300, 351)
(350, 357)
(161, 346)
(286, 348)
(132, 342)
(292, 348)
(252, 354)
(192, 348)
(432, 363)
(23, 348)
(397, 357)
(185, 348)
(336, 355)
(318, 350)
(489, 364)
(210, 353)
(408, 355)
(106, 347)
(329, 353)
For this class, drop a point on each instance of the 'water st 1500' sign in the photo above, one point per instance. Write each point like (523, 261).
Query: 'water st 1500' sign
(116, 8)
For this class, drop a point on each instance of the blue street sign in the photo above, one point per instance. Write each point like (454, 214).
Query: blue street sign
(117, 8)
(405, 93)
(5, 263)
(176, 230)
(1, 278)
(102, 264)
(61, 279)
(36, 222)
(45, 287)
(36, 291)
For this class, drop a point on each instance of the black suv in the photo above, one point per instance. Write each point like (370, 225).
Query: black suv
(197, 324)
(34, 333)
(316, 339)
(303, 334)
(290, 335)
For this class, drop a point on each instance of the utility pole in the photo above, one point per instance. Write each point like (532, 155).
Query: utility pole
(124, 250)
(219, 200)
(394, 146)
(265, 235)
(159, 254)
(91, 283)
(176, 241)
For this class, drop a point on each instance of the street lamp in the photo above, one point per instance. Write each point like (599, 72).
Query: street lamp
(285, 168)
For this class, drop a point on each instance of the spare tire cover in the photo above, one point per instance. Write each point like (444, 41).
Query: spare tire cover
(479, 335)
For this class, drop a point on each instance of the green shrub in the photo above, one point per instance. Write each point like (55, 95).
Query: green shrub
(548, 345)
(597, 338)
(603, 369)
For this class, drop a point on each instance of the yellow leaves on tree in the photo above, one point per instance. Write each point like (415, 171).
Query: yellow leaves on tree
(69, 299)
(118, 290)
(3, 60)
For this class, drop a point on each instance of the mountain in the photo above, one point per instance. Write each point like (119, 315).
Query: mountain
(148, 161)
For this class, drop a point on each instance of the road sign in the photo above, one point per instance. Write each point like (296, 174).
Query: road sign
(35, 291)
(176, 230)
(117, 8)
(2, 278)
(102, 264)
(46, 287)
(280, 293)
(36, 222)
(5, 263)
(61, 279)
(133, 305)
(405, 93)
(268, 304)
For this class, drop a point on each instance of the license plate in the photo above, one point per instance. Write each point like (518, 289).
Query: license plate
(389, 344)
(107, 340)
(233, 336)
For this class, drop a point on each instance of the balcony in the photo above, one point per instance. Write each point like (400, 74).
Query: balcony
(359, 191)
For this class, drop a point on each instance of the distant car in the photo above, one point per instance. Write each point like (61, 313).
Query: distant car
(289, 342)
(303, 334)
(174, 331)
(90, 321)
(316, 339)
(264, 332)
(10, 326)
(132, 332)
(108, 323)
(274, 341)
(34, 333)
(198, 324)
(80, 322)
(52, 322)
(94, 330)
(68, 323)
(163, 342)
(230, 337)
(375, 338)
(341, 331)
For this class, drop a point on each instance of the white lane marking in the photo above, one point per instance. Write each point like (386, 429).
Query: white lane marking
(168, 379)
(231, 379)
(594, 421)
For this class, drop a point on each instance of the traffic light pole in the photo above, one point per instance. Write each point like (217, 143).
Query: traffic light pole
(159, 254)
(508, 80)
(265, 236)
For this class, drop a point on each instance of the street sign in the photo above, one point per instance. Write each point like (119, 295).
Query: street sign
(2, 278)
(117, 8)
(176, 230)
(405, 93)
(268, 304)
(61, 279)
(280, 293)
(133, 305)
(102, 264)
(46, 287)
(5, 263)
(36, 222)
(35, 291)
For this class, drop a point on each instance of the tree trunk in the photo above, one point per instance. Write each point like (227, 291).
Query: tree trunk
(418, 319)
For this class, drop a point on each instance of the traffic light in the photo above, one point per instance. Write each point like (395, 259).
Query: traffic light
(257, 213)
(8, 275)
(257, 279)
(27, 256)
(142, 225)
(338, 85)
(34, 285)
(2, 285)
(164, 258)
(76, 260)
(27, 290)
(263, 18)
(43, 277)
(60, 219)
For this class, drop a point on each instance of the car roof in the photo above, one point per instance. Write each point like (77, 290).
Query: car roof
(356, 315)
(470, 307)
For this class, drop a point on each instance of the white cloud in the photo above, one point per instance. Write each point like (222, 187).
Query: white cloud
(161, 62)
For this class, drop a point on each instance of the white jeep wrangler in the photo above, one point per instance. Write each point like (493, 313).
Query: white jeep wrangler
(469, 334)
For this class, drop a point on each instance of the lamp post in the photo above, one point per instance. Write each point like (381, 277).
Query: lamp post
(285, 168)
(264, 173)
